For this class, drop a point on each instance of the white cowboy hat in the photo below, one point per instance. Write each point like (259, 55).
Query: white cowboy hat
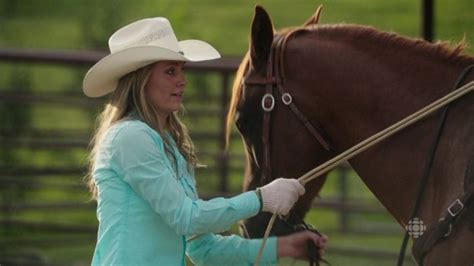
(138, 44)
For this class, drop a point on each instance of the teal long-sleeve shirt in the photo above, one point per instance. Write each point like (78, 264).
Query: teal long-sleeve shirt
(148, 206)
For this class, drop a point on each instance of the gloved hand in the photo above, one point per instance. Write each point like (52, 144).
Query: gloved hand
(280, 195)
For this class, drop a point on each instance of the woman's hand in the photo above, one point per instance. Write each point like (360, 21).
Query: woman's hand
(280, 195)
(296, 245)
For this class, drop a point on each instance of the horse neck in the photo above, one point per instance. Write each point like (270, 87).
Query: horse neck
(364, 87)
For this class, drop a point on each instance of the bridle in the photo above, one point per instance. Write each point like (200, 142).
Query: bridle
(275, 76)
(274, 79)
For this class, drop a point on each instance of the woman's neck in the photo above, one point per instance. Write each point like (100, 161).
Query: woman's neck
(163, 119)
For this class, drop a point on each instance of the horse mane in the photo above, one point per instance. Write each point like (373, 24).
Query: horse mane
(236, 94)
(440, 49)
(443, 50)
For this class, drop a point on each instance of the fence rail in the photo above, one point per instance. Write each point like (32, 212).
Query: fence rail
(24, 179)
(84, 58)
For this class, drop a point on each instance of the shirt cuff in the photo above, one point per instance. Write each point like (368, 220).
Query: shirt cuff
(247, 203)
(269, 256)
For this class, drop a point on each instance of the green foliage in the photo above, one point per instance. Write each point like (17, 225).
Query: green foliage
(88, 24)
(14, 117)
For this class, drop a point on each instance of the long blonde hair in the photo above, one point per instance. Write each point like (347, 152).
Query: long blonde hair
(130, 96)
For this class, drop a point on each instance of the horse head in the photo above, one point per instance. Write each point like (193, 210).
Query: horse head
(247, 108)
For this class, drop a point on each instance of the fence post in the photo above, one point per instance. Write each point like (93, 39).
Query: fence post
(428, 20)
(343, 190)
(223, 158)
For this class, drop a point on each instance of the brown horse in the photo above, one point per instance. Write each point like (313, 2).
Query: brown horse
(351, 82)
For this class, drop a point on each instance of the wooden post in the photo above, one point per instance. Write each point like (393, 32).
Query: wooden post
(223, 158)
(428, 20)
(343, 196)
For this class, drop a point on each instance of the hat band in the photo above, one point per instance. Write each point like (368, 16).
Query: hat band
(154, 36)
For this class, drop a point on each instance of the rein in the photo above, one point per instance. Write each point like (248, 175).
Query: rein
(275, 75)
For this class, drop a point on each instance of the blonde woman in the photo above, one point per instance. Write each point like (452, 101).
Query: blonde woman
(143, 160)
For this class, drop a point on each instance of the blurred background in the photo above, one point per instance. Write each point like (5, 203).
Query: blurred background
(46, 215)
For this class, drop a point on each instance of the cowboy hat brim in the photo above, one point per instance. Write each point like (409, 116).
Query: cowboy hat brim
(103, 77)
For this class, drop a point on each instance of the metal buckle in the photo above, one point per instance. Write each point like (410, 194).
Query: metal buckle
(272, 104)
(449, 230)
(455, 212)
(286, 98)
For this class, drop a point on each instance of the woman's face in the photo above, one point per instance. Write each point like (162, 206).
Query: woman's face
(165, 87)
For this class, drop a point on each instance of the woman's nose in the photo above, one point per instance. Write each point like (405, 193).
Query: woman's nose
(182, 81)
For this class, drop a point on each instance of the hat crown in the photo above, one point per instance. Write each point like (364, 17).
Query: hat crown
(146, 32)
(139, 44)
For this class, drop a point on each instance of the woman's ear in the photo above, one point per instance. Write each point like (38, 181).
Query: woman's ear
(261, 37)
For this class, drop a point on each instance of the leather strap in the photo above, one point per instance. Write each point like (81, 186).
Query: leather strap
(275, 75)
(423, 183)
(442, 229)
(315, 130)
(267, 167)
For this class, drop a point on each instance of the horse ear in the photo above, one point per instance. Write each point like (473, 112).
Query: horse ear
(261, 37)
(314, 19)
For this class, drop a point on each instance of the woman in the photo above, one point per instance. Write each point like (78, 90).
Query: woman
(143, 160)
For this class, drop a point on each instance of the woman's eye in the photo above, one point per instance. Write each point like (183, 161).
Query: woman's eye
(171, 71)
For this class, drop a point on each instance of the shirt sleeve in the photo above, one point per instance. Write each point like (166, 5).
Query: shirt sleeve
(139, 158)
(212, 249)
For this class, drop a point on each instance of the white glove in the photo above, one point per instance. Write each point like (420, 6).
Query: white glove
(280, 195)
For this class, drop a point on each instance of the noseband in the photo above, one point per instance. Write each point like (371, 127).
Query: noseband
(274, 78)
